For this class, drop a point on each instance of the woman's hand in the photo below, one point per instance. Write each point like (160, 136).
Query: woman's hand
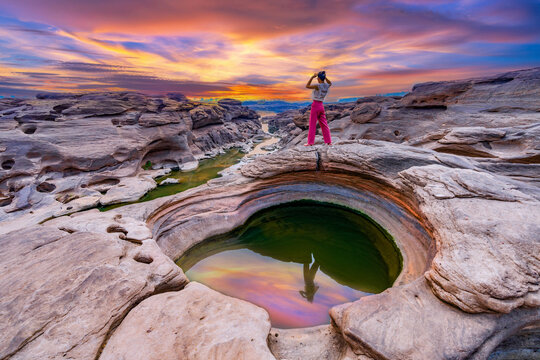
(314, 75)
(308, 85)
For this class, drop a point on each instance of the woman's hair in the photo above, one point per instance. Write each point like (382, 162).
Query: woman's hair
(322, 75)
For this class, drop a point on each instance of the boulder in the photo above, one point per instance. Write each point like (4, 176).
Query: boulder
(365, 112)
(195, 323)
(434, 94)
(314, 343)
(152, 119)
(62, 293)
(129, 189)
(302, 120)
(409, 322)
(205, 115)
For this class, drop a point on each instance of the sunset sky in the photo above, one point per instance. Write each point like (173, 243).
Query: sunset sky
(259, 49)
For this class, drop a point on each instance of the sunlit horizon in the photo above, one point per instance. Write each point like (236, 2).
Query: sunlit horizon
(259, 51)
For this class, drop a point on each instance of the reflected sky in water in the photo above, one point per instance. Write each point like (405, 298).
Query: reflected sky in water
(297, 261)
(273, 285)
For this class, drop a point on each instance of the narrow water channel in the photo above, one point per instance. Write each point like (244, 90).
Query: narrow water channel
(208, 169)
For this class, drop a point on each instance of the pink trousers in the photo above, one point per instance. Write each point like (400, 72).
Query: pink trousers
(317, 113)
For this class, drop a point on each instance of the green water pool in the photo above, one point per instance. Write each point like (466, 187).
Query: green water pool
(208, 169)
(297, 260)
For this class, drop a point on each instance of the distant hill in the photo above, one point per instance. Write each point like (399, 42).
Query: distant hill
(278, 106)
(274, 105)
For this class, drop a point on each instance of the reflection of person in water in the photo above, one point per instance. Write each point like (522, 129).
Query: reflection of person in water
(309, 276)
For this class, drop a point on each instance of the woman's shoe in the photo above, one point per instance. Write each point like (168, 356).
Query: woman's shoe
(308, 144)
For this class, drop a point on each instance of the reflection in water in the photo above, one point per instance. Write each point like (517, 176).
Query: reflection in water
(297, 261)
(309, 281)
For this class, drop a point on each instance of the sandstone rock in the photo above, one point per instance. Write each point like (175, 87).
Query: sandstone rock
(127, 118)
(318, 342)
(43, 114)
(195, 323)
(443, 106)
(417, 325)
(129, 189)
(189, 165)
(123, 227)
(521, 346)
(205, 115)
(471, 135)
(152, 119)
(460, 196)
(62, 293)
(83, 203)
(96, 108)
(476, 201)
(305, 159)
(365, 112)
(52, 95)
(99, 136)
(281, 121)
(233, 133)
(302, 120)
(434, 94)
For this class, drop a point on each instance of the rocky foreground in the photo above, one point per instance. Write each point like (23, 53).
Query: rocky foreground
(450, 170)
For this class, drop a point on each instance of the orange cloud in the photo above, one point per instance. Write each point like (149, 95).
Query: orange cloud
(253, 50)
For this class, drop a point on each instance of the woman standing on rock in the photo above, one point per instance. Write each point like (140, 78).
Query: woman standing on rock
(317, 108)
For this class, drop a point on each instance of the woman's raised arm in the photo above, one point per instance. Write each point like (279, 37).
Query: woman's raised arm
(308, 85)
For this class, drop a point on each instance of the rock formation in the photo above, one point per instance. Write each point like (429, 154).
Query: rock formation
(201, 324)
(84, 150)
(450, 170)
(488, 118)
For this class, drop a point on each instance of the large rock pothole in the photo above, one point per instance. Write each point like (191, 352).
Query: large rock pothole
(297, 260)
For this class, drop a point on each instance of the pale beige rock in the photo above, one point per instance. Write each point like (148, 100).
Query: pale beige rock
(314, 343)
(169, 181)
(189, 166)
(82, 203)
(195, 323)
(124, 227)
(304, 159)
(74, 141)
(61, 293)
(460, 196)
(409, 323)
(487, 234)
(492, 118)
(129, 189)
